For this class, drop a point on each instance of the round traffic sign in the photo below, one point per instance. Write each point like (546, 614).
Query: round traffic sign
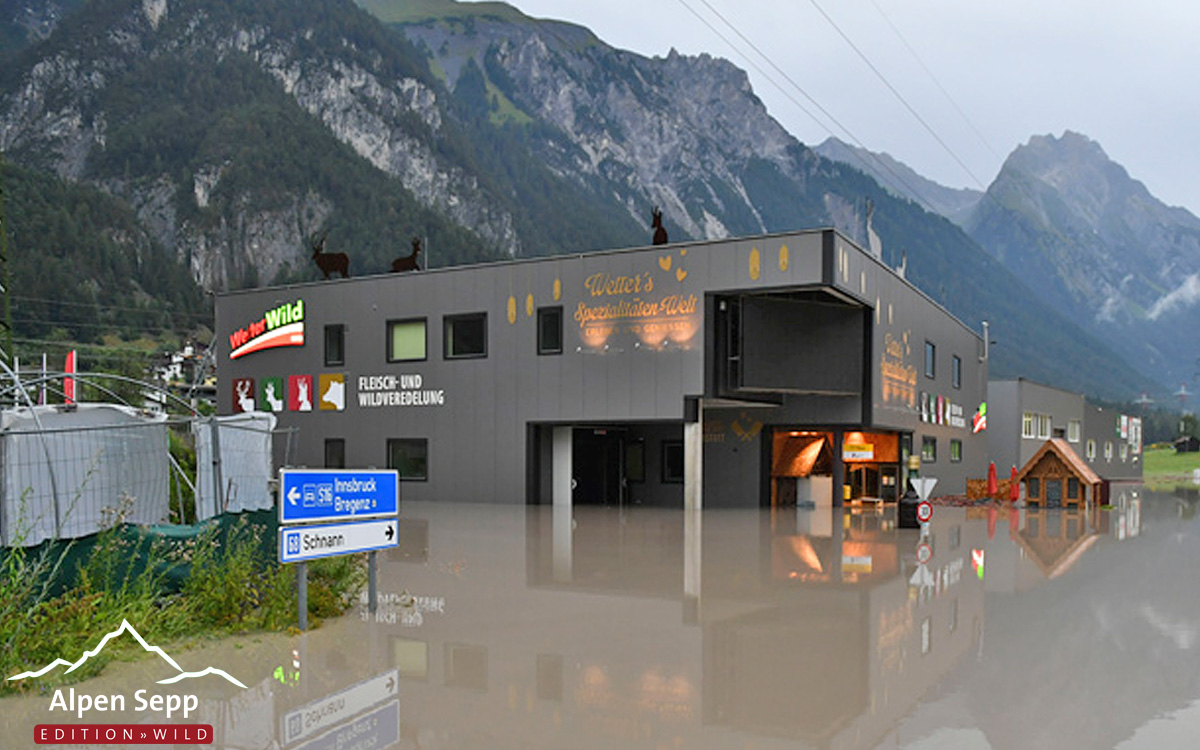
(924, 511)
(924, 552)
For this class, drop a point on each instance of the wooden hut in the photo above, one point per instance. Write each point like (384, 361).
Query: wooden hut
(1056, 476)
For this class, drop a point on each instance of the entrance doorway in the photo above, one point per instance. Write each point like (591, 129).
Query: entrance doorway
(598, 466)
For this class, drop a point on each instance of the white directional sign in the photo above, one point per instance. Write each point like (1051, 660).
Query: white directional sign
(335, 708)
(300, 543)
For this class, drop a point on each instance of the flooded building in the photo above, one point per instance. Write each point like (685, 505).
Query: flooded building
(774, 370)
(1023, 415)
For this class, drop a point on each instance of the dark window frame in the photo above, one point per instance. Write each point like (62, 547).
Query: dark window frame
(1033, 488)
(330, 443)
(543, 313)
(339, 358)
(928, 442)
(447, 339)
(387, 331)
(424, 444)
(956, 443)
(670, 478)
(956, 371)
(930, 359)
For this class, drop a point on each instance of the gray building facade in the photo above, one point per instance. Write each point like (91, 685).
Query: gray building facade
(1022, 415)
(743, 372)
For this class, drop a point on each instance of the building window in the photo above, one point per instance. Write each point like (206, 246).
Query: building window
(335, 344)
(930, 359)
(335, 453)
(1027, 428)
(550, 330)
(928, 450)
(1032, 488)
(1073, 430)
(956, 371)
(1043, 426)
(672, 462)
(635, 461)
(1091, 450)
(1124, 451)
(406, 340)
(409, 457)
(1107, 450)
(1072, 488)
(466, 336)
(955, 451)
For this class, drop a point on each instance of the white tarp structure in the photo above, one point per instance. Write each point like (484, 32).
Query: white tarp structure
(244, 472)
(68, 471)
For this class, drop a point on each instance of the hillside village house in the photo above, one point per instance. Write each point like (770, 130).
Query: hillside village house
(747, 372)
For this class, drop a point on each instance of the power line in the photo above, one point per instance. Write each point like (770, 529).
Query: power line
(937, 82)
(881, 164)
(898, 95)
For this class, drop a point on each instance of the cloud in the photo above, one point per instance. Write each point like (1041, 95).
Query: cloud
(1186, 295)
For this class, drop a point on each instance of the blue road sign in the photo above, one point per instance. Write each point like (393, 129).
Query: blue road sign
(300, 543)
(312, 495)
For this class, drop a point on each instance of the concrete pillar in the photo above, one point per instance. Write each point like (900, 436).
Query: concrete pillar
(839, 470)
(562, 541)
(693, 564)
(563, 471)
(693, 464)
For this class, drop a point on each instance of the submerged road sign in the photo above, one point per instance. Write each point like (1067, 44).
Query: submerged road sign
(300, 543)
(312, 495)
(335, 708)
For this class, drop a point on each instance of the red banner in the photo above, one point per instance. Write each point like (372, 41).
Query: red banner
(124, 734)
(69, 383)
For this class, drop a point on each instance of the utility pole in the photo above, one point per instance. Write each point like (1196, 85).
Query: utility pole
(6, 329)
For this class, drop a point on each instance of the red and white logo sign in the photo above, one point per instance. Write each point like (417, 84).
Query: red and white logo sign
(924, 553)
(300, 393)
(924, 511)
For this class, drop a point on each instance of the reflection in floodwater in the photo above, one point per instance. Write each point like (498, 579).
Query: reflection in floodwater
(502, 626)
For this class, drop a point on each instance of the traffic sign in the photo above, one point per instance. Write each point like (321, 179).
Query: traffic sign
(331, 710)
(313, 495)
(923, 486)
(300, 543)
(924, 553)
(380, 728)
(924, 511)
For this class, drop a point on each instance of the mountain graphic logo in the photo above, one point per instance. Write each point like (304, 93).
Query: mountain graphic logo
(126, 627)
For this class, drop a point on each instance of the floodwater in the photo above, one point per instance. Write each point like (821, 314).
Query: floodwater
(513, 627)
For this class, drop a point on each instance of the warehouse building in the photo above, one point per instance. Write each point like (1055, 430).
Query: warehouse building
(747, 372)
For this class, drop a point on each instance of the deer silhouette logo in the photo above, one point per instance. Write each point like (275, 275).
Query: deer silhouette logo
(660, 234)
(273, 399)
(408, 263)
(245, 398)
(329, 262)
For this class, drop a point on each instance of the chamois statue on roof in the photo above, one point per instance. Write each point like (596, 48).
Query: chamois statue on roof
(660, 234)
(328, 262)
(409, 262)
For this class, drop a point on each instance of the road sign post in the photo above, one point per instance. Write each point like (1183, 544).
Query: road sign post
(365, 504)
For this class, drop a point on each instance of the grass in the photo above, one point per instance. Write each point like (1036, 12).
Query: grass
(233, 585)
(1163, 468)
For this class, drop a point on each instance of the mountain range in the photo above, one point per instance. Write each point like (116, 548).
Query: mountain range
(1082, 235)
(231, 132)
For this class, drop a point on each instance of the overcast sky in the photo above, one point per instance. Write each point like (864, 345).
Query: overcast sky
(1126, 75)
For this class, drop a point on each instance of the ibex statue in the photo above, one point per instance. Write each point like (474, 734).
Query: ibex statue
(408, 263)
(329, 262)
(660, 234)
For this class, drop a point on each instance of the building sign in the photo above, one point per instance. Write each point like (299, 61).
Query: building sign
(333, 392)
(858, 452)
(397, 390)
(243, 395)
(300, 390)
(282, 326)
(651, 305)
(941, 410)
(899, 376)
